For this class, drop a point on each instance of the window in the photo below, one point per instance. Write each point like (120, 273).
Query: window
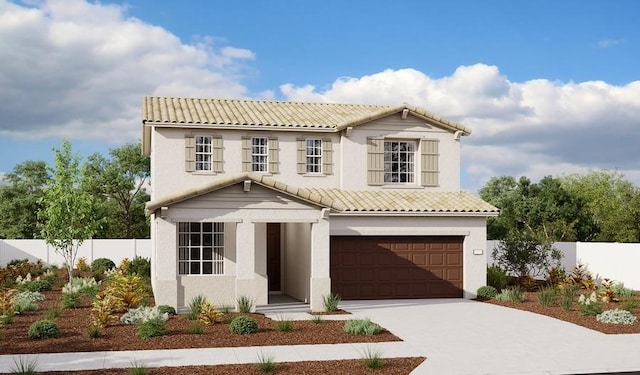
(200, 248)
(259, 154)
(399, 162)
(314, 155)
(203, 153)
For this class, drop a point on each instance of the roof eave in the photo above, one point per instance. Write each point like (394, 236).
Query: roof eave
(416, 213)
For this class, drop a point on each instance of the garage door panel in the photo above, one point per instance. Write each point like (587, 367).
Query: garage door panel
(389, 267)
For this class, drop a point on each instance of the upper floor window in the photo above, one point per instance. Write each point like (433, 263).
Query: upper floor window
(200, 248)
(203, 153)
(314, 155)
(259, 154)
(393, 162)
(399, 164)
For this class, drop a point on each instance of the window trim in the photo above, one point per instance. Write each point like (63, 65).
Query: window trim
(204, 153)
(264, 164)
(319, 160)
(186, 249)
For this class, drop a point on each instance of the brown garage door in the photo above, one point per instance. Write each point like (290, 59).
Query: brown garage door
(388, 267)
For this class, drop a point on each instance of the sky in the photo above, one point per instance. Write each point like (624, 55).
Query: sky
(548, 87)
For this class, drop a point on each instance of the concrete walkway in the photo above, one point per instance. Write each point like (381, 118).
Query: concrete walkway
(456, 336)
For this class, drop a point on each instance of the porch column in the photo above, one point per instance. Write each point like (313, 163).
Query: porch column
(164, 260)
(320, 264)
(247, 285)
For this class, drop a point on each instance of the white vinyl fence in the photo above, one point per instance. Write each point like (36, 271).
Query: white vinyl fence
(615, 261)
(116, 250)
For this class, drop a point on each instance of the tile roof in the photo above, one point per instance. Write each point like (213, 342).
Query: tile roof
(348, 201)
(274, 114)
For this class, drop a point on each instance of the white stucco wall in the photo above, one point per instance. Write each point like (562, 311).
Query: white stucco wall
(472, 228)
(297, 237)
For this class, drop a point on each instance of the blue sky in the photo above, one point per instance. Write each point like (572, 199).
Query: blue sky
(548, 87)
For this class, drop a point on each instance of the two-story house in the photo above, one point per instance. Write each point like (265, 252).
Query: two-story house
(306, 199)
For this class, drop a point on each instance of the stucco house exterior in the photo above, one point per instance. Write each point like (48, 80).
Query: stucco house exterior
(251, 198)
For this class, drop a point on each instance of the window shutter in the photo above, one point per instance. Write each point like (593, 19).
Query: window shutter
(246, 154)
(189, 153)
(375, 161)
(216, 153)
(302, 155)
(274, 163)
(327, 156)
(429, 162)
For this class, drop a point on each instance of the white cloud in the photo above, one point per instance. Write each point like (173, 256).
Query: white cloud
(608, 43)
(533, 128)
(77, 69)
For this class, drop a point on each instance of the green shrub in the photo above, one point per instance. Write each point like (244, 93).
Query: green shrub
(284, 325)
(196, 328)
(497, 277)
(140, 266)
(629, 304)
(245, 304)
(243, 325)
(568, 296)
(43, 329)
(591, 309)
(316, 319)
(70, 300)
(100, 265)
(94, 331)
(330, 302)
(361, 327)
(548, 296)
(511, 295)
(266, 363)
(53, 313)
(486, 292)
(21, 305)
(39, 285)
(195, 307)
(152, 328)
(13, 263)
(372, 359)
(138, 368)
(166, 309)
(616, 316)
(620, 291)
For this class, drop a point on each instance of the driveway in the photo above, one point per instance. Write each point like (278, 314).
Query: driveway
(468, 337)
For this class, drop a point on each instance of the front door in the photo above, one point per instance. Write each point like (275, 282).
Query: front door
(273, 256)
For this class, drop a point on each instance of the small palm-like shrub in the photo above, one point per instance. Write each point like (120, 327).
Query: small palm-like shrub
(330, 302)
(43, 329)
(152, 328)
(209, 314)
(103, 310)
(511, 295)
(243, 325)
(616, 316)
(245, 304)
(361, 327)
(486, 292)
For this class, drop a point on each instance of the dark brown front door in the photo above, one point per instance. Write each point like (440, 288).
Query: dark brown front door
(273, 256)
(392, 267)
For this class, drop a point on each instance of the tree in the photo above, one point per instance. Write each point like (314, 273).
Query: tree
(67, 209)
(612, 201)
(19, 200)
(543, 210)
(119, 183)
(524, 255)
